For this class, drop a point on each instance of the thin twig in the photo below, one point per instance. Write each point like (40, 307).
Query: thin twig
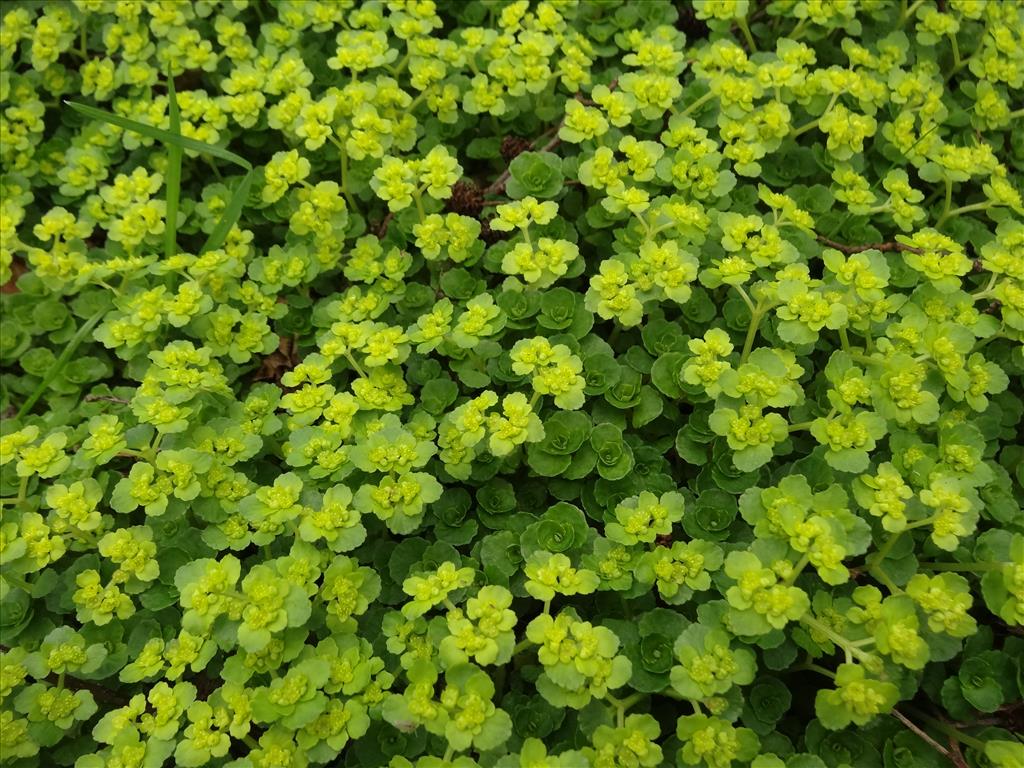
(106, 399)
(889, 246)
(917, 730)
(555, 141)
(955, 755)
(382, 229)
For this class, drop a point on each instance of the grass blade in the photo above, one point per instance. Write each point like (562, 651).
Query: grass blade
(59, 363)
(160, 134)
(173, 179)
(230, 215)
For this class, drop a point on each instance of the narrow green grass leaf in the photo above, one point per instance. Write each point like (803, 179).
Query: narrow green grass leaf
(60, 362)
(173, 177)
(159, 134)
(230, 215)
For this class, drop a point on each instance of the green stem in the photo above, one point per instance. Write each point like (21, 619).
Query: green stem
(851, 651)
(988, 288)
(521, 646)
(419, 205)
(449, 753)
(213, 167)
(817, 668)
(957, 61)
(844, 340)
(344, 178)
(150, 453)
(908, 12)
(814, 123)
(966, 209)
(745, 29)
(645, 225)
(875, 563)
(400, 66)
(250, 742)
(343, 159)
(698, 103)
(22, 491)
(755, 323)
(948, 206)
(883, 578)
(977, 567)
(801, 426)
(86, 537)
(798, 569)
(746, 298)
(886, 549)
(356, 367)
(59, 363)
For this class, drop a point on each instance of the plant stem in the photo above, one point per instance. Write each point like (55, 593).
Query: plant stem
(965, 209)
(352, 361)
(343, 160)
(817, 668)
(741, 22)
(698, 103)
(844, 339)
(908, 12)
(851, 651)
(521, 646)
(755, 323)
(798, 569)
(957, 61)
(883, 578)
(988, 288)
(814, 123)
(948, 204)
(746, 298)
(886, 548)
(419, 205)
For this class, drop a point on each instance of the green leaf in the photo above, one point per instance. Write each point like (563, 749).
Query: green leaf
(536, 174)
(173, 176)
(158, 134)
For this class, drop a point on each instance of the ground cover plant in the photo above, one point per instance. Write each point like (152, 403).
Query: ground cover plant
(512, 384)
